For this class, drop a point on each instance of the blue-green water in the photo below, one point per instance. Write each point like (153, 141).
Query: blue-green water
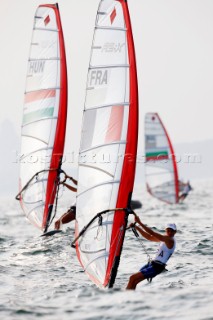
(41, 277)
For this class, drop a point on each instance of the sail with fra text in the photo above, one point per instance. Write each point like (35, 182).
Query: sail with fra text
(108, 145)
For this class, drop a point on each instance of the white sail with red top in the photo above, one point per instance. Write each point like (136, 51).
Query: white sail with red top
(108, 144)
(44, 117)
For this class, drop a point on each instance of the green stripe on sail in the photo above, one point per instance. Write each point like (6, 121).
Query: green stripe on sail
(156, 154)
(37, 115)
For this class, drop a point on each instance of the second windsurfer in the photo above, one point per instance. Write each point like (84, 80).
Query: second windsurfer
(187, 188)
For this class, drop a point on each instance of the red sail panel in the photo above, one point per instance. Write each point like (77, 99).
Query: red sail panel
(115, 124)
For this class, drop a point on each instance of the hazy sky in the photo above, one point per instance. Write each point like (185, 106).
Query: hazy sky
(174, 50)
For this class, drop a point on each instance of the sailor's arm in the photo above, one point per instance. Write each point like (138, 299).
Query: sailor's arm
(72, 179)
(146, 235)
(156, 235)
(70, 187)
(65, 218)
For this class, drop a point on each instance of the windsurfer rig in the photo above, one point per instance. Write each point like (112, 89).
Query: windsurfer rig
(44, 118)
(110, 128)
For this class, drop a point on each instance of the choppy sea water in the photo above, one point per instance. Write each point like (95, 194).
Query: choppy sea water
(41, 277)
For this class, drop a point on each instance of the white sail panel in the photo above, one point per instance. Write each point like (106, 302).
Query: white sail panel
(42, 110)
(104, 86)
(44, 45)
(110, 14)
(36, 71)
(161, 171)
(45, 18)
(109, 41)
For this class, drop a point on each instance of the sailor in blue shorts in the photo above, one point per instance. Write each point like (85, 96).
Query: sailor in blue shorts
(165, 250)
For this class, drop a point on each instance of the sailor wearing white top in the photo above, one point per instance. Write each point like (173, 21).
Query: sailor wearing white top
(164, 253)
(165, 250)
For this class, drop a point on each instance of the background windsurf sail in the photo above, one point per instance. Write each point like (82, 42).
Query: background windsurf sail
(108, 143)
(44, 117)
(160, 167)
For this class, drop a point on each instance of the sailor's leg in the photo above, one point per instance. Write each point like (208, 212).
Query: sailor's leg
(68, 216)
(134, 280)
(65, 218)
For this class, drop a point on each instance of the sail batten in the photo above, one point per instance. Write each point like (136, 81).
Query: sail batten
(45, 59)
(111, 29)
(99, 185)
(99, 169)
(121, 104)
(103, 145)
(43, 89)
(45, 29)
(109, 66)
(44, 117)
(36, 151)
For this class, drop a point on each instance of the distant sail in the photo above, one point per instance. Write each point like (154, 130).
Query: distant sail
(161, 168)
(44, 117)
(108, 144)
